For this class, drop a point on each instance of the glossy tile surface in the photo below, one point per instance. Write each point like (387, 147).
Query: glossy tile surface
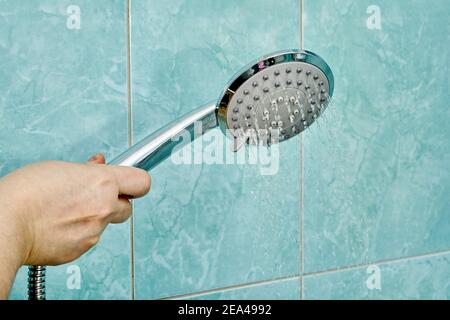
(63, 96)
(281, 290)
(422, 278)
(209, 226)
(377, 178)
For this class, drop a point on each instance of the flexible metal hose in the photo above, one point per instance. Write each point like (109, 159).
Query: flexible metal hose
(36, 283)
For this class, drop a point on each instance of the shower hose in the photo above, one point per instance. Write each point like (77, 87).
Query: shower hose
(36, 283)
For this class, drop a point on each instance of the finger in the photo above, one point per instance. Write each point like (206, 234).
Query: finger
(122, 212)
(132, 182)
(99, 158)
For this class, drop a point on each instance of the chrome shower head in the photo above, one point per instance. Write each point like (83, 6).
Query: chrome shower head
(269, 100)
(276, 97)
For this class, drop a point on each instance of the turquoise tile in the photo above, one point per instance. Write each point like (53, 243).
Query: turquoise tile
(209, 226)
(280, 290)
(419, 278)
(63, 96)
(377, 176)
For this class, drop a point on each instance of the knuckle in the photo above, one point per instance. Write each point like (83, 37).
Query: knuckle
(128, 212)
(106, 180)
(124, 214)
(105, 211)
(92, 241)
(69, 257)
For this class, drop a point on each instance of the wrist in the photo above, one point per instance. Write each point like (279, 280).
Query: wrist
(14, 238)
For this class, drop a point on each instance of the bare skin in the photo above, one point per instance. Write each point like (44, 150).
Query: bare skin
(53, 212)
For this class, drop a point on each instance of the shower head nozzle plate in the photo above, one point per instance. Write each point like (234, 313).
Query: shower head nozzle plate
(276, 98)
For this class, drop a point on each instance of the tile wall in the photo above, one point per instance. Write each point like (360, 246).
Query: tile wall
(359, 205)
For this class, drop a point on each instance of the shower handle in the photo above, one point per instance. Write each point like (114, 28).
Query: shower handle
(146, 154)
(158, 146)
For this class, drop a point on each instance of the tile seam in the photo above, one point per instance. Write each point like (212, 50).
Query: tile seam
(130, 138)
(305, 275)
(233, 287)
(379, 262)
(302, 164)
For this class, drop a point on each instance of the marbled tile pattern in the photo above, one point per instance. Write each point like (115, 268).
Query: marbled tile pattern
(377, 178)
(280, 290)
(424, 278)
(209, 226)
(63, 96)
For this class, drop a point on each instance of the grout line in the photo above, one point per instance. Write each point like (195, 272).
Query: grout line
(130, 105)
(262, 282)
(379, 262)
(310, 274)
(234, 287)
(302, 25)
(130, 138)
(301, 295)
(302, 185)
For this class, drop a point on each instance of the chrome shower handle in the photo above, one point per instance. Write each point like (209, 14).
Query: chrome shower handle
(146, 154)
(158, 146)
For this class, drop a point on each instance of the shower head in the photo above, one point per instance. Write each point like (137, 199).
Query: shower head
(268, 101)
(276, 97)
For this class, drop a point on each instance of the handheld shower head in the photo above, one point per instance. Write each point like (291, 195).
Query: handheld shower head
(269, 100)
(276, 98)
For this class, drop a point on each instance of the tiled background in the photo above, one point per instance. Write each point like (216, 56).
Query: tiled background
(364, 194)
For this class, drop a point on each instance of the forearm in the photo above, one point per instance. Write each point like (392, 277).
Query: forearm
(12, 244)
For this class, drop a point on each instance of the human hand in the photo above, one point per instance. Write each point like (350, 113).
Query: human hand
(60, 209)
